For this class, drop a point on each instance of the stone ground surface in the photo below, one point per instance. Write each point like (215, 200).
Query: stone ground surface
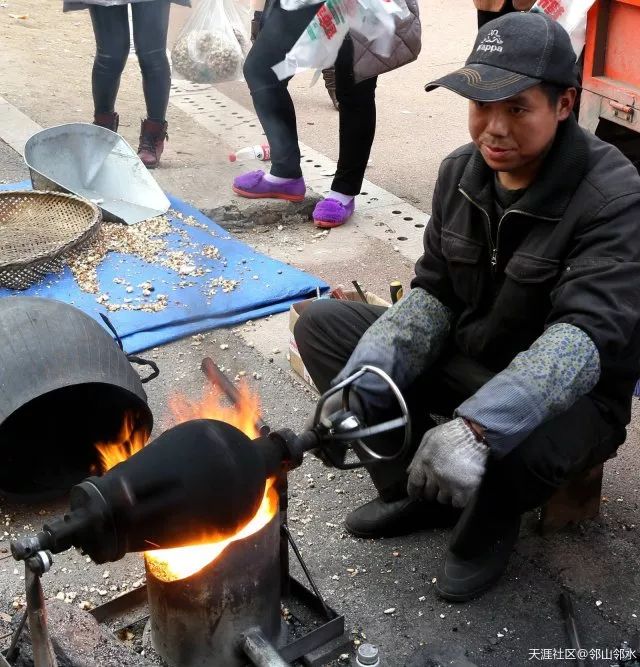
(46, 62)
(78, 639)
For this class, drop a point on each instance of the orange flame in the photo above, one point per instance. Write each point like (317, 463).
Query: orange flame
(128, 442)
(182, 562)
(243, 415)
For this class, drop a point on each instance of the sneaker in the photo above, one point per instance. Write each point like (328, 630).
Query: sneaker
(253, 185)
(331, 213)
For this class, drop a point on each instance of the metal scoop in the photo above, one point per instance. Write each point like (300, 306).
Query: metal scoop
(97, 164)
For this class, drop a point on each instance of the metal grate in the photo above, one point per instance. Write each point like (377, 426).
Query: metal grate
(39, 231)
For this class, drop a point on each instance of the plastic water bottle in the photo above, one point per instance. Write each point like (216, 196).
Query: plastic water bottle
(257, 152)
(368, 656)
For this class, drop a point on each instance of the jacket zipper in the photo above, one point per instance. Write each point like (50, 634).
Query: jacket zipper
(494, 248)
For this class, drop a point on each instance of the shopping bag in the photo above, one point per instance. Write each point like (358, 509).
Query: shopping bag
(213, 43)
(571, 15)
(319, 44)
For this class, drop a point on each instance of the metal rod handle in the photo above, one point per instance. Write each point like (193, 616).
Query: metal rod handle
(346, 386)
(568, 613)
(43, 654)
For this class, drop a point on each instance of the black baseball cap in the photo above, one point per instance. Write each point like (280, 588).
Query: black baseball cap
(512, 53)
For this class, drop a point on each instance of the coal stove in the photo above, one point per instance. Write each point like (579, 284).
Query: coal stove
(205, 483)
(197, 620)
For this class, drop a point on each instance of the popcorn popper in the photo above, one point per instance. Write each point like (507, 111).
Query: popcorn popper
(207, 504)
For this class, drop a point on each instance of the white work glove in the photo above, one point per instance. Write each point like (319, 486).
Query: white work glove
(448, 465)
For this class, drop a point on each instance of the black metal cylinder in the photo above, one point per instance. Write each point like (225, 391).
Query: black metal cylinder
(65, 385)
(199, 621)
(206, 475)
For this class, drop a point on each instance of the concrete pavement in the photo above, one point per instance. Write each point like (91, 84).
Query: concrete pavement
(46, 68)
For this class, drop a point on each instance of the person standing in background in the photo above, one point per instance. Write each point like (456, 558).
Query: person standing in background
(111, 29)
(356, 72)
(492, 9)
(329, 74)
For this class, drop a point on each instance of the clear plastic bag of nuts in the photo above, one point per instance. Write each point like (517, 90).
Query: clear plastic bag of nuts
(213, 43)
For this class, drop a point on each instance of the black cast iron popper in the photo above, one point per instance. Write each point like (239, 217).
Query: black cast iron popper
(203, 480)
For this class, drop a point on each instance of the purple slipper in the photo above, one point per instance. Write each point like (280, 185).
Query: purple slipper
(254, 186)
(331, 213)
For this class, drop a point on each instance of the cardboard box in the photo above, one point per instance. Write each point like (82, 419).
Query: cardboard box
(294, 313)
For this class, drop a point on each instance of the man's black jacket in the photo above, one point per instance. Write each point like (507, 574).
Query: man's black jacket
(567, 251)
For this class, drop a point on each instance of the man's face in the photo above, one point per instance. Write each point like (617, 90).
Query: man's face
(514, 135)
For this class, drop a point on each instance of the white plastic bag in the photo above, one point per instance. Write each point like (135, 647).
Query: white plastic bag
(571, 15)
(319, 44)
(213, 43)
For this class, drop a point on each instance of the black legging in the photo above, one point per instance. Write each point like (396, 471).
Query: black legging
(111, 29)
(276, 112)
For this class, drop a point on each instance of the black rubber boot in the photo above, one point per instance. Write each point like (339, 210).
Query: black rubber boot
(480, 547)
(378, 518)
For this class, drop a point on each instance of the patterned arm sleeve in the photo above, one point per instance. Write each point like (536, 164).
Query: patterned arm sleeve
(403, 342)
(561, 366)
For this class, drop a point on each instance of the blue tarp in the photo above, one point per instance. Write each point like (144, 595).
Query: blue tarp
(190, 309)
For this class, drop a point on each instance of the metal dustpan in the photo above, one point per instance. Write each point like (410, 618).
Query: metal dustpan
(97, 164)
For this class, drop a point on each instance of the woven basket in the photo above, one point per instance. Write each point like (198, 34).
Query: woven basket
(39, 231)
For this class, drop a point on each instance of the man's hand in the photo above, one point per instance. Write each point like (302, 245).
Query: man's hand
(448, 465)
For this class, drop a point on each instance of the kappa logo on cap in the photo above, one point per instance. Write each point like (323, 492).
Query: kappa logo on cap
(492, 42)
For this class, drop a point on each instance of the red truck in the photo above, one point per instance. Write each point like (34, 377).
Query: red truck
(610, 104)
